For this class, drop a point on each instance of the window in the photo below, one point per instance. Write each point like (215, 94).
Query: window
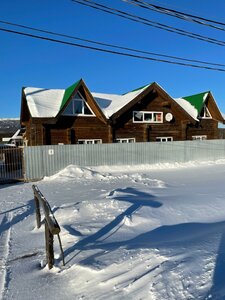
(78, 106)
(125, 140)
(164, 139)
(94, 141)
(205, 114)
(147, 117)
(199, 137)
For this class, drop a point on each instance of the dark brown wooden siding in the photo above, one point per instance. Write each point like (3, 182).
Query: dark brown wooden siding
(68, 130)
(208, 127)
(143, 132)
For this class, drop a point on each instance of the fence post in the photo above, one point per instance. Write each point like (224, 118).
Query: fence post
(49, 246)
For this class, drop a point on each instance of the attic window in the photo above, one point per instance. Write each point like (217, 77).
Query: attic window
(205, 114)
(147, 117)
(78, 106)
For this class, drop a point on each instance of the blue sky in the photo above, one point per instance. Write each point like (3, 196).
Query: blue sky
(30, 62)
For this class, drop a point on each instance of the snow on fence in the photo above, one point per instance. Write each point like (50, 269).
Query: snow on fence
(43, 161)
(51, 226)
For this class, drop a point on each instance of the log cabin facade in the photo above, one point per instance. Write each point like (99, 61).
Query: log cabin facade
(148, 114)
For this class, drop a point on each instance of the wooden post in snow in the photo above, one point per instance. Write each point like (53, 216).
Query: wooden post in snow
(51, 226)
(37, 210)
(49, 239)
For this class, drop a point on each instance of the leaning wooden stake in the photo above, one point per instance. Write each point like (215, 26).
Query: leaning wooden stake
(49, 246)
(61, 248)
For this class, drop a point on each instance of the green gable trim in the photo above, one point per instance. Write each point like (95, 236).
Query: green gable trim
(68, 92)
(197, 100)
(140, 88)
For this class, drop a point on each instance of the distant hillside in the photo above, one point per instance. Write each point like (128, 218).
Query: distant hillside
(8, 127)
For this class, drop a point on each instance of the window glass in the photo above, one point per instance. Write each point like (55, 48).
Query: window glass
(205, 113)
(94, 141)
(158, 117)
(69, 109)
(148, 116)
(78, 97)
(164, 139)
(125, 140)
(138, 116)
(78, 106)
(86, 109)
(199, 137)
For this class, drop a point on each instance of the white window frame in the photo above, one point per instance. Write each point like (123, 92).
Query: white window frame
(162, 139)
(206, 110)
(89, 141)
(125, 140)
(199, 137)
(81, 99)
(145, 113)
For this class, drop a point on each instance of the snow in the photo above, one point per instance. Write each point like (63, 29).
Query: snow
(43, 103)
(46, 103)
(144, 232)
(190, 109)
(111, 103)
(205, 96)
(9, 119)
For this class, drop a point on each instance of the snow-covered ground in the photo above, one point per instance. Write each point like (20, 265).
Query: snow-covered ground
(127, 233)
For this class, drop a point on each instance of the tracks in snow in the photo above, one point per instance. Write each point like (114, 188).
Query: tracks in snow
(5, 230)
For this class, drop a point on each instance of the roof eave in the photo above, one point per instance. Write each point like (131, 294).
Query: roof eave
(135, 100)
(221, 119)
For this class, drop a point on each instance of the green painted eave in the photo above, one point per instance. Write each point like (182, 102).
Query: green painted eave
(197, 100)
(68, 92)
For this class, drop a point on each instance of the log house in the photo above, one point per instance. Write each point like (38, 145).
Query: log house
(148, 114)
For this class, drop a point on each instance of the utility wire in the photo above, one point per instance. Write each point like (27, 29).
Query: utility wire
(110, 51)
(148, 22)
(178, 14)
(110, 45)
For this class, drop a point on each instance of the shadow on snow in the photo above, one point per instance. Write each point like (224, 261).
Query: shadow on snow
(136, 198)
(171, 236)
(7, 222)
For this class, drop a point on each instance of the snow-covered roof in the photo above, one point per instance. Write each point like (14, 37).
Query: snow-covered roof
(46, 103)
(111, 103)
(190, 109)
(43, 103)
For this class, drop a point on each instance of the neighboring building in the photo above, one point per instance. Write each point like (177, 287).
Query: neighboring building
(8, 128)
(77, 116)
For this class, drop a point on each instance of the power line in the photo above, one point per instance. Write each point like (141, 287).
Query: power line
(148, 22)
(109, 45)
(178, 14)
(111, 51)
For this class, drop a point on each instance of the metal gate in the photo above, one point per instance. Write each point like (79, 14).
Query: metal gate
(11, 163)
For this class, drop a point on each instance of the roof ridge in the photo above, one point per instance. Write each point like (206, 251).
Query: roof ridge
(197, 100)
(68, 92)
(137, 89)
(206, 92)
